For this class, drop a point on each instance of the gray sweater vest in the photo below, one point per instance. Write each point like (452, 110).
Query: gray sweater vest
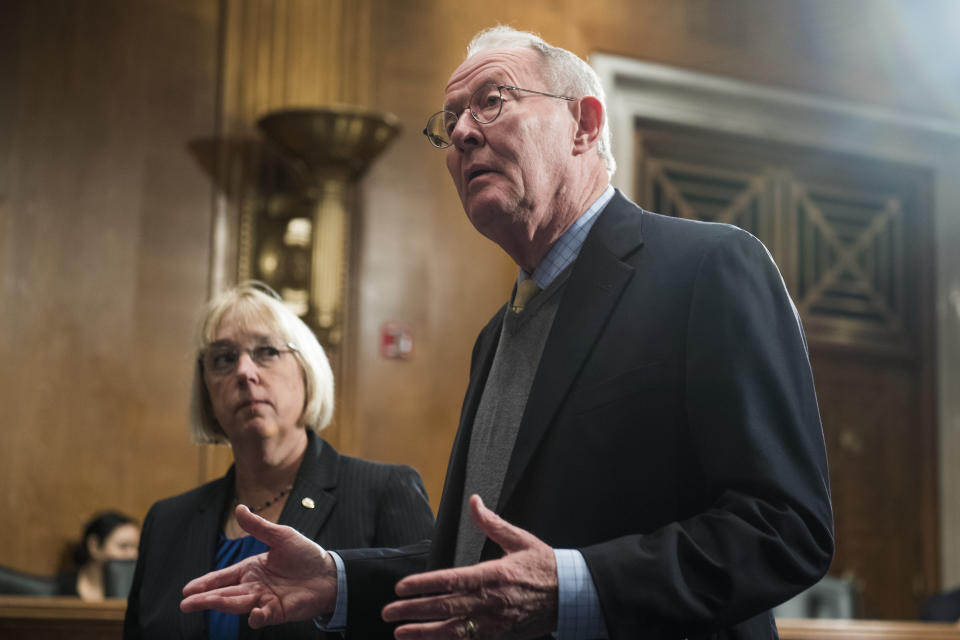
(501, 407)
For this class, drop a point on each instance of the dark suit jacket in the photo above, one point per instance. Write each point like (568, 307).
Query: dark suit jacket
(357, 503)
(671, 434)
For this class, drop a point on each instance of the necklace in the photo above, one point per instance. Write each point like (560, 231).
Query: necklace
(266, 504)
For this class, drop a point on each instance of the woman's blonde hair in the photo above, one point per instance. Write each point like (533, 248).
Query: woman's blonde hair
(255, 304)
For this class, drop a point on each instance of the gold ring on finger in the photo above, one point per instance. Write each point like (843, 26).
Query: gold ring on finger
(471, 628)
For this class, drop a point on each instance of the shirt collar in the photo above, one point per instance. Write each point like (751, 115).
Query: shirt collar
(567, 247)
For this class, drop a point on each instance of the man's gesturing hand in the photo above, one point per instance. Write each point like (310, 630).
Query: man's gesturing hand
(295, 580)
(512, 597)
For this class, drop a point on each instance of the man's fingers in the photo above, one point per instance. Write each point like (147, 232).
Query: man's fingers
(442, 630)
(504, 534)
(443, 581)
(228, 600)
(261, 617)
(273, 535)
(432, 608)
(263, 530)
(222, 578)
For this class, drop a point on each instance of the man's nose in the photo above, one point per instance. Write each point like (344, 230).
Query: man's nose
(467, 131)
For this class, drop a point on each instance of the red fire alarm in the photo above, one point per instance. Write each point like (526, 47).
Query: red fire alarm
(396, 340)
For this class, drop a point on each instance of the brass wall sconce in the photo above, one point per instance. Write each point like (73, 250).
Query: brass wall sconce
(296, 236)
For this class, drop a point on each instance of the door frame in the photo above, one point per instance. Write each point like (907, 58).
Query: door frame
(636, 88)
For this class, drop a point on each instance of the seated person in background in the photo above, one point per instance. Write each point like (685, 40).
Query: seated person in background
(262, 384)
(109, 535)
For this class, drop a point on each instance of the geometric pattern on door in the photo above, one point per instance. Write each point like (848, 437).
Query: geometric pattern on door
(840, 249)
(686, 190)
(850, 257)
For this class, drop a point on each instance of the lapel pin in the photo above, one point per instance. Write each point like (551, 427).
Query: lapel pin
(308, 503)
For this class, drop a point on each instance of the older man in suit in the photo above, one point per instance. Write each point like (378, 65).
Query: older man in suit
(641, 415)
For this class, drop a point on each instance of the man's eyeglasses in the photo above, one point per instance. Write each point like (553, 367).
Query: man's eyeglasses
(485, 106)
(222, 359)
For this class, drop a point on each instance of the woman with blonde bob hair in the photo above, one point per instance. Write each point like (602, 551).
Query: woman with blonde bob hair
(250, 303)
(262, 385)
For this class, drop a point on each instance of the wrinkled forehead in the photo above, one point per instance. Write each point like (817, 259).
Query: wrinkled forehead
(513, 66)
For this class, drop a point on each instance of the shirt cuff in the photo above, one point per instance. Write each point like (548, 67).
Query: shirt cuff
(578, 606)
(337, 621)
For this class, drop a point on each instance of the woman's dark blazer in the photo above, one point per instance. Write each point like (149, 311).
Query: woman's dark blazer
(356, 503)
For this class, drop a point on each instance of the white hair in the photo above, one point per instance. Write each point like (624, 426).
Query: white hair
(249, 304)
(564, 72)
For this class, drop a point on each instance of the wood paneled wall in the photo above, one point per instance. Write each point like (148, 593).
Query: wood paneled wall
(103, 258)
(111, 234)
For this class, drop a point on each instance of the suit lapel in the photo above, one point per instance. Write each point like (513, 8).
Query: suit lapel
(314, 485)
(598, 278)
(316, 479)
(198, 548)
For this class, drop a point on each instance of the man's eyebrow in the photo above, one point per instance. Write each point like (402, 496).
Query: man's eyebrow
(449, 106)
(488, 80)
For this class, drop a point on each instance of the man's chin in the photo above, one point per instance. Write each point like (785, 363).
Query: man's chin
(485, 210)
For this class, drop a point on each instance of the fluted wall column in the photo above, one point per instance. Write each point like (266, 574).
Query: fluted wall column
(278, 54)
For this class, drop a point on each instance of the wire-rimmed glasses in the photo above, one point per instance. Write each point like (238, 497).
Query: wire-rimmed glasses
(485, 106)
(221, 358)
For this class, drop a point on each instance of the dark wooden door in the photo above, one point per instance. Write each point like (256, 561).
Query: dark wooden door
(852, 237)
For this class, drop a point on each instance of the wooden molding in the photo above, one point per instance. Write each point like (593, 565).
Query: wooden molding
(798, 629)
(46, 608)
(60, 618)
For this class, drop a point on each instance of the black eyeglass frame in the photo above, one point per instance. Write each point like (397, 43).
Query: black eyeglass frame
(433, 139)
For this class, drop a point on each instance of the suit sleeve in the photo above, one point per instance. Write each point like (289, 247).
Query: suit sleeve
(371, 576)
(404, 527)
(755, 452)
(403, 515)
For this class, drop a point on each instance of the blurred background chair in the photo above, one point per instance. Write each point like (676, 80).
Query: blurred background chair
(13, 582)
(943, 607)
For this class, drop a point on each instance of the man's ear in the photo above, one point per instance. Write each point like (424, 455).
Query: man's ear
(589, 124)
